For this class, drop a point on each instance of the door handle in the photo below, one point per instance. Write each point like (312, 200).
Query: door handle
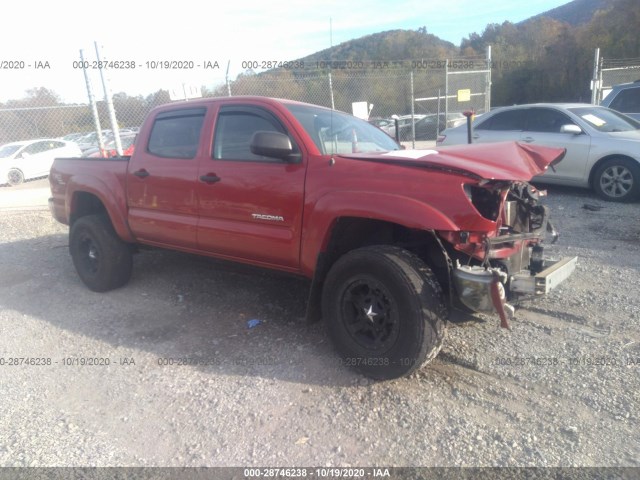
(210, 178)
(528, 139)
(142, 173)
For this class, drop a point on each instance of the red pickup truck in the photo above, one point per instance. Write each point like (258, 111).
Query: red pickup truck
(390, 238)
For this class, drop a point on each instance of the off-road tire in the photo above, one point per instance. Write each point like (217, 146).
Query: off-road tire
(103, 261)
(384, 310)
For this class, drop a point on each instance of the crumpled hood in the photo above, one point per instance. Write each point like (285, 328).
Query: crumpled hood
(490, 161)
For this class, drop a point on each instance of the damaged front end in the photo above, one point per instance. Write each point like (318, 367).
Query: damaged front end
(490, 268)
(497, 251)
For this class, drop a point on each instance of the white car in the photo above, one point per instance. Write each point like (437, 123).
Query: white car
(603, 146)
(20, 161)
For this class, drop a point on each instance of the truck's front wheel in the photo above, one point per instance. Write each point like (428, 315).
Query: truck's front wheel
(103, 261)
(385, 311)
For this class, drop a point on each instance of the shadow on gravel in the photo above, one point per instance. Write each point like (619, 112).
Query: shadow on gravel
(211, 315)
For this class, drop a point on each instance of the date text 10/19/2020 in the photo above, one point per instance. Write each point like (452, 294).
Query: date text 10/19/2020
(324, 472)
(70, 361)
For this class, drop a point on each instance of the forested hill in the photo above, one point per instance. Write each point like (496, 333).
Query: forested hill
(417, 44)
(575, 13)
(556, 57)
(554, 49)
(387, 46)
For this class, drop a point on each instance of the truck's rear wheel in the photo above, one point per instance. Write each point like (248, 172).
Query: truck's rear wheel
(385, 311)
(103, 261)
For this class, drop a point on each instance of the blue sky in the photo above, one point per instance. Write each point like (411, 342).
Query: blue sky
(226, 32)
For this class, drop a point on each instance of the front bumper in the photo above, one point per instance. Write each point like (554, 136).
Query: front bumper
(554, 273)
(483, 289)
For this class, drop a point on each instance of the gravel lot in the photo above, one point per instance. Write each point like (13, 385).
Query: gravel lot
(561, 389)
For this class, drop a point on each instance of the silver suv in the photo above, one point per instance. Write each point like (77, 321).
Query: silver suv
(624, 98)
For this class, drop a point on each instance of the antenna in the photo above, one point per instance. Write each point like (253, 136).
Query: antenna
(334, 139)
(330, 33)
(333, 104)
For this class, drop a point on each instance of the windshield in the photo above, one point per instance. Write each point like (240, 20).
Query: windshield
(605, 120)
(8, 150)
(336, 132)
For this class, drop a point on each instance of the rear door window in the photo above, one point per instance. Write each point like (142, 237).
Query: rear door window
(176, 134)
(36, 148)
(510, 120)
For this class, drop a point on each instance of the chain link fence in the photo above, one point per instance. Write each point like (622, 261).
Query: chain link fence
(38, 118)
(611, 72)
(424, 96)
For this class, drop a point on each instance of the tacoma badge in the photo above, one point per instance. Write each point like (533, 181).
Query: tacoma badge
(273, 218)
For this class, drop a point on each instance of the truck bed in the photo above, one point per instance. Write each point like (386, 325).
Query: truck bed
(83, 173)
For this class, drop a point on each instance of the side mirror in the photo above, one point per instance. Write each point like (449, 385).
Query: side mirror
(271, 144)
(573, 129)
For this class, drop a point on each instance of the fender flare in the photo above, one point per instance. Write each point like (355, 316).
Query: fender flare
(114, 202)
(392, 208)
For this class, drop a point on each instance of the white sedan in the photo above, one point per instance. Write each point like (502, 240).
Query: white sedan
(20, 161)
(603, 146)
